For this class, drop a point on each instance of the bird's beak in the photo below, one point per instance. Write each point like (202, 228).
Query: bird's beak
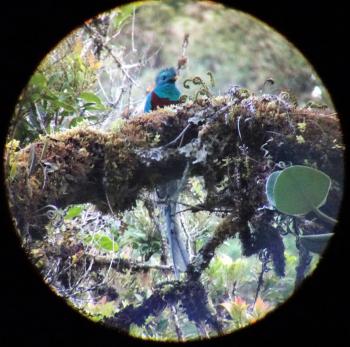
(175, 78)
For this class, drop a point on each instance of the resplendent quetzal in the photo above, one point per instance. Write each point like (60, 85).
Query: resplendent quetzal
(166, 93)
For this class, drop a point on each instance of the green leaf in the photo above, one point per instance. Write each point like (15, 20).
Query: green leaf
(101, 310)
(88, 239)
(105, 243)
(95, 107)
(49, 95)
(92, 118)
(90, 97)
(76, 121)
(299, 190)
(74, 211)
(124, 12)
(64, 105)
(39, 80)
(315, 243)
(270, 184)
(102, 242)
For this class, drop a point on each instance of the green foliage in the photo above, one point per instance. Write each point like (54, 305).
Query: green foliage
(102, 242)
(11, 147)
(63, 94)
(100, 311)
(118, 124)
(74, 211)
(202, 87)
(38, 80)
(196, 188)
(141, 233)
(230, 279)
(93, 102)
(224, 273)
(263, 53)
(242, 314)
(270, 185)
(123, 13)
(299, 190)
(58, 94)
(238, 309)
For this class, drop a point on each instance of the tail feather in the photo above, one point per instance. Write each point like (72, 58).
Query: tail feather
(179, 254)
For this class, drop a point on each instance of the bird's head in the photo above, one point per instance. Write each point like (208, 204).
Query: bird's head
(166, 76)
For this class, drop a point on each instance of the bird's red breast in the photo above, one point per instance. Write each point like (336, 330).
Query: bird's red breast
(156, 101)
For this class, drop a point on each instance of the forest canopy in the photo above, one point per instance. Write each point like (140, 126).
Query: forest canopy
(253, 144)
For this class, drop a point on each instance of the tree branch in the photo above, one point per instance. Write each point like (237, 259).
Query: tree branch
(82, 164)
(192, 295)
(125, 265)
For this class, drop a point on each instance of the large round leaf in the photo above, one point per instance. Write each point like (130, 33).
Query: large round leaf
(300, 189)
(270, 184)
(315, 243)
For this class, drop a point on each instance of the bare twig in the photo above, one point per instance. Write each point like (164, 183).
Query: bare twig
(84, 276)
(133, 31)
(36, 110)
(109, 50)
(179, 136)
(109, 205)
(264, 257)
(200, 207)
(178, 331)
(182, 61)
(103, 91)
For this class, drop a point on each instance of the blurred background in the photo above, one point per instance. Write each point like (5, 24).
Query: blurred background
(103, 71)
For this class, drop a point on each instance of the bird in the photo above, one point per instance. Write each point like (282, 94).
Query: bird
(166, 93)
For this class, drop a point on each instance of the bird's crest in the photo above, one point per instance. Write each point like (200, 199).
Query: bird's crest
(166, 75)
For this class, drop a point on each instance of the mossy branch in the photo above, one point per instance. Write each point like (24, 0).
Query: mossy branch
(191, 294)
(234, 142)
(238, 137)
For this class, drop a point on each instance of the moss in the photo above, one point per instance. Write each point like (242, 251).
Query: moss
(244, 138)
(109, 169)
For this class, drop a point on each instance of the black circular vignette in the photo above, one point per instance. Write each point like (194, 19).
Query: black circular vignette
(30, 312)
